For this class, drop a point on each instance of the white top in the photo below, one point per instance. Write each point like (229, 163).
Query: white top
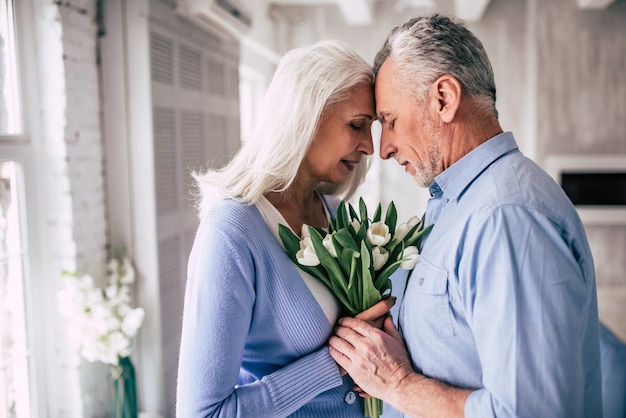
(324, 297)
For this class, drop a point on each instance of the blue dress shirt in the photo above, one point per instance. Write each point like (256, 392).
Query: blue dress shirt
(503, 298)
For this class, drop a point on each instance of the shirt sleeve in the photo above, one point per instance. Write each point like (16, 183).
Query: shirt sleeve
(219, 303)
(528, 304)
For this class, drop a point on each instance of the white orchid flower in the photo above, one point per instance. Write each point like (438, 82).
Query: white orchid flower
(307, 256)
(132, 322)
(85, 282)
(328, 243)
(102, 320)
(129, 272)
(378, 234)
(380, 257)
(410, 256)
(404, 228)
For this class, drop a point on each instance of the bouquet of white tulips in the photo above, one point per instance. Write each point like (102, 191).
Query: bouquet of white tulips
(356, 258)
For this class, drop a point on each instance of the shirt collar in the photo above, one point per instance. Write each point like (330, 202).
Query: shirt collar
(454, 180)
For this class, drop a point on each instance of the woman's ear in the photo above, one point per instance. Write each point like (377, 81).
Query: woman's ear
(446, 93)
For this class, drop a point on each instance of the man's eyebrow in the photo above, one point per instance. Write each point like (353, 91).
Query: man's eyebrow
(382, 116)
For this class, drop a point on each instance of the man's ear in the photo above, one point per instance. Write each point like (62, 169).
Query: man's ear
(446, 94)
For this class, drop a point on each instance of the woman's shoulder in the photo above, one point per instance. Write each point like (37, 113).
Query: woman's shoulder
(231, 208)
(228, 214)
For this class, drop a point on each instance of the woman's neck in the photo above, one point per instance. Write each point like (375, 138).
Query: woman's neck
(299, 207)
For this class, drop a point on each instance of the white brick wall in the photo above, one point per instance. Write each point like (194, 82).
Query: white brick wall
(73, 189)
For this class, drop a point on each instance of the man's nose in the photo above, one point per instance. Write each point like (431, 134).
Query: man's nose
(387, 149)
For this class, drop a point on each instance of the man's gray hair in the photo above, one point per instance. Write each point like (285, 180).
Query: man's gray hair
(427, 47)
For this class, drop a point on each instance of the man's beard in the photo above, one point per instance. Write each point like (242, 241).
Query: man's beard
(427, 169)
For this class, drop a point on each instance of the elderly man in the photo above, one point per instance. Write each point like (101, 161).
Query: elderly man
(499, 317)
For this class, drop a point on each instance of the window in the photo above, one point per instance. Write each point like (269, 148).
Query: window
(10, 111)
(16, 360)
(251, 92)
(14, 347)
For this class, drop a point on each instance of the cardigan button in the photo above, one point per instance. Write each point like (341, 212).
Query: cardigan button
(350, 398)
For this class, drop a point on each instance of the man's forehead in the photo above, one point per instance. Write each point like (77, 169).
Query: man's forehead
(385, 75)
(382, 87)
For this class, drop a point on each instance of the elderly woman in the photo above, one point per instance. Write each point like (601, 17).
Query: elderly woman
(255, 327)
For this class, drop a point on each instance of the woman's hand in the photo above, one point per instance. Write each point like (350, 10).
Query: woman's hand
(376, 314)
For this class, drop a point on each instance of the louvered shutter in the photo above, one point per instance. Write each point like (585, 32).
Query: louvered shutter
(194, 75)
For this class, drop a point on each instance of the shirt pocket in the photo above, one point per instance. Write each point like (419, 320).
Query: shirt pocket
(429, 285)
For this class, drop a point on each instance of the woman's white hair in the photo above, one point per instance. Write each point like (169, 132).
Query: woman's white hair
(307, 80)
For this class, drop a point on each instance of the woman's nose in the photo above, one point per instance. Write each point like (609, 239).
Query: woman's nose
(366, 146)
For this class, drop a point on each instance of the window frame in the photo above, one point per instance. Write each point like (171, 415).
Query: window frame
(22, 148)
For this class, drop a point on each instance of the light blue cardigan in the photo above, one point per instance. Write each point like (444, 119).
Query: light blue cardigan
(254, 337)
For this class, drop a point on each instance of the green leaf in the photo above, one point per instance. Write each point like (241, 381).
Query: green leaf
(320, 230)
(370, 295)
(345, 257)
(342, 221)
(377, 214)
(332, 224)
(362, 209)
(353, 276)
(362, 232)
(353, 214)
(383, 277)
(392, 245)
(344, 239)
(417, 236)
(289, 239)
(292, 246)
(318, 272)
(391, 217)
(328, 261)
(398, 249)
(355, 292)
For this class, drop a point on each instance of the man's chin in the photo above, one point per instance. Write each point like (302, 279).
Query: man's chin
(422, 180)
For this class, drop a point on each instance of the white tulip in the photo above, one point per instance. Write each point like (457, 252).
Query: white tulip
(410, 256)
(328, 243)
(305, 233)
(404, 228)
(307, 256)
(378, 234)
(380, 256)
(356, 225)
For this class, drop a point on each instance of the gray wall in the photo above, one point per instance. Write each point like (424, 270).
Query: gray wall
(561, 79)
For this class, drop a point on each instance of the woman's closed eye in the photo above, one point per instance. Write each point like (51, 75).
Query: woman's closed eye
(360, 124)
(356, 126)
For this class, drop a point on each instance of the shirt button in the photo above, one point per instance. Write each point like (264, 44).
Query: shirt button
(350, 397)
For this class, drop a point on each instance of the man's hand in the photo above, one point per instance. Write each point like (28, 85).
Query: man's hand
(375, 359)
(379, 364)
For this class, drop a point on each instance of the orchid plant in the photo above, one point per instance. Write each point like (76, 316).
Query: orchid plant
(356, 257)
(102, 320)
